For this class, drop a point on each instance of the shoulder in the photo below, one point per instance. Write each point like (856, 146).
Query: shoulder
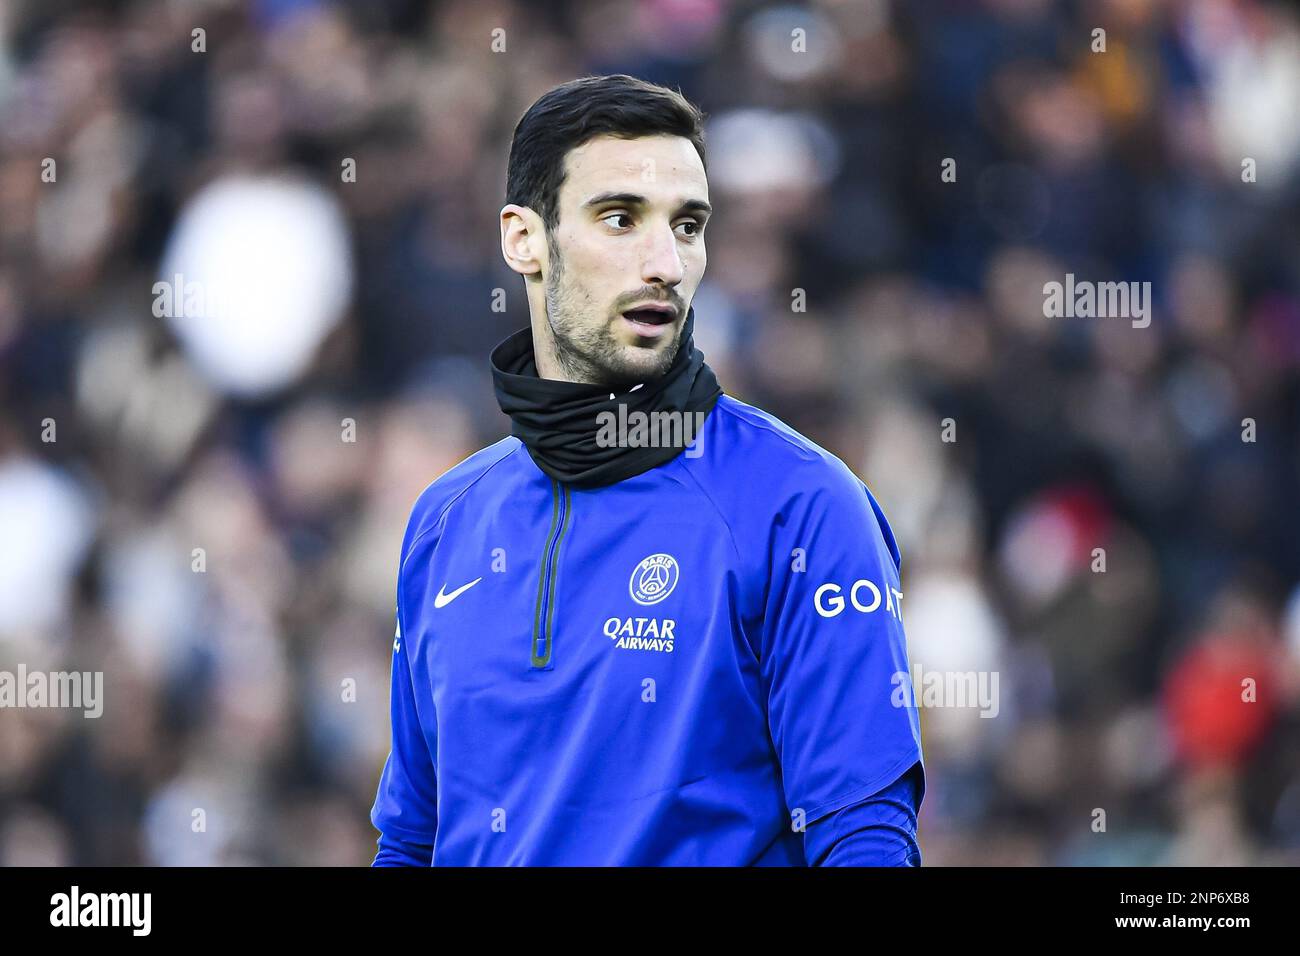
(438, 497)
(759, 429)
(762, 472)
(761, 452)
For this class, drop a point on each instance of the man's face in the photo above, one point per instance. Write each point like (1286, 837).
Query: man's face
(632, 215)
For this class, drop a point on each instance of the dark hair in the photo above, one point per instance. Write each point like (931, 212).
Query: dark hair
(567, 116)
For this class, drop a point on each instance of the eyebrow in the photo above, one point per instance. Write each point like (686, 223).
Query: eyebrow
(632, 199)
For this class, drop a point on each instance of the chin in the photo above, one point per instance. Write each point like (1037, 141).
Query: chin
(637, 363)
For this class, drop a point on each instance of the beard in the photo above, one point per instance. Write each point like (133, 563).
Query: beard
(588, 351)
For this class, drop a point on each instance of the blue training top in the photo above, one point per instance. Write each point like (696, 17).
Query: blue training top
(698, 665)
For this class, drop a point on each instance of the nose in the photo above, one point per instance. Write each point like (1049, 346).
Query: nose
(662, 264)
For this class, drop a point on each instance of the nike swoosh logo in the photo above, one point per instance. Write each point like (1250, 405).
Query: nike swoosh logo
(442, 600)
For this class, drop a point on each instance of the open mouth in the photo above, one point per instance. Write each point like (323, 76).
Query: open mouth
(649, 316)
(650, 324)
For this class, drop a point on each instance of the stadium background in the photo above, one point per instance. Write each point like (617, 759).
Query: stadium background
(372, 301)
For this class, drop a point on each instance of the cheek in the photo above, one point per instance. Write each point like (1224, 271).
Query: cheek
(608, 270)
(694, 260)
(587, 256)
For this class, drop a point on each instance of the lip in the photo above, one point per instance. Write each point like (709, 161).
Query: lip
(663, 307)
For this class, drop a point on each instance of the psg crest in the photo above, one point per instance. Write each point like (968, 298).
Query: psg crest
(653, 579)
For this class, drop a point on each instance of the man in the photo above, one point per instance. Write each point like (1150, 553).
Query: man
(656, 625)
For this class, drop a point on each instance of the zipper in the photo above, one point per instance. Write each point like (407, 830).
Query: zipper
(544, 613)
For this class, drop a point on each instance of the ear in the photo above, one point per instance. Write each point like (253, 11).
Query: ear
(523, 240)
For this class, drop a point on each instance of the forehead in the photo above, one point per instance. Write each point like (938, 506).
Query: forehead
(661, 166)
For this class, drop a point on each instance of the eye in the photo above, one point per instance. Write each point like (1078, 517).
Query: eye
(696, 227)
(614, 215)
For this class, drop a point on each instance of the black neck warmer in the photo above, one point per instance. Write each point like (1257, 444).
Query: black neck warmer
(557, 421)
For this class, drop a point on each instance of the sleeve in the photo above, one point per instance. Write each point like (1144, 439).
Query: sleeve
(877, 831)
(405, 811)
(394, 851)
(833, 653)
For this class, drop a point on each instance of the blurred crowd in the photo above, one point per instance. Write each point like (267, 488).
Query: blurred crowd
(250, 274)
